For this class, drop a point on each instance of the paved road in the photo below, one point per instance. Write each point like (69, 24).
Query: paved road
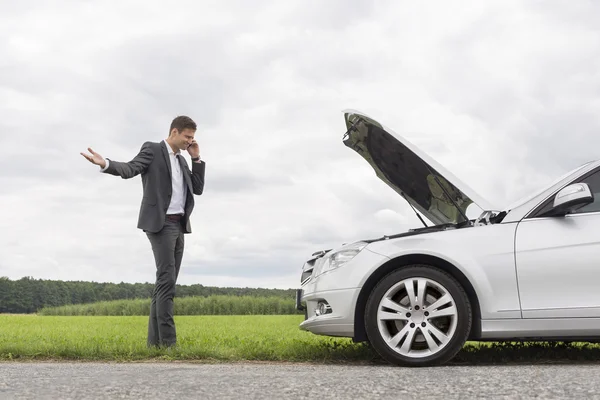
(292, 381)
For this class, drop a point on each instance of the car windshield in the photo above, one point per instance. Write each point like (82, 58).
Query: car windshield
(525, 199)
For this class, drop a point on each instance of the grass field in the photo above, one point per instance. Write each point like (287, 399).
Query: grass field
(257, 337)
(226, 338)
(191, 305)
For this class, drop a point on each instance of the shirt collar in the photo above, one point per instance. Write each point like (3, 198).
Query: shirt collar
(170, 150)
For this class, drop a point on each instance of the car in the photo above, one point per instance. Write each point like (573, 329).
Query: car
(529, 271)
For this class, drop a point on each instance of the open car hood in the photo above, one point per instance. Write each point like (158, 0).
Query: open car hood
(427, 186)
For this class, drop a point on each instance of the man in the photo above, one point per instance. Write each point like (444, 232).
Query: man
(164, 216)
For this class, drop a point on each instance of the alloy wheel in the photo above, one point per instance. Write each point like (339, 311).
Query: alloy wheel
(417, 317)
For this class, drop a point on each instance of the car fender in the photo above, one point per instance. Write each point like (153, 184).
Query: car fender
(485, 257)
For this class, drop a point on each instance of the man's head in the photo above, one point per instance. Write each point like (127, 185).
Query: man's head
(182, 132)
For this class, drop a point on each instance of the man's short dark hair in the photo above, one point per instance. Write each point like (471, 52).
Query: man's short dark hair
(182, 122)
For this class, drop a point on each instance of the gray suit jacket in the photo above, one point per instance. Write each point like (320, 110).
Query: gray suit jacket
(153, 163)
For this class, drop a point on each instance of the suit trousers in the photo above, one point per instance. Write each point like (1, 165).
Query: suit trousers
(167, 246)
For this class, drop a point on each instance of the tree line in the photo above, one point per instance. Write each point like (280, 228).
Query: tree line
(28, 295)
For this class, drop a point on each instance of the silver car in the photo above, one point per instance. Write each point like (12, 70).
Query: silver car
(529, 271)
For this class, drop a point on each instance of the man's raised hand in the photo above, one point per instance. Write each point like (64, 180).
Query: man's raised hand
(94, 158)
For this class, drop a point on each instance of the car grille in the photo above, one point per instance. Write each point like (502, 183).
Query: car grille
(306, 274)
(309, 267)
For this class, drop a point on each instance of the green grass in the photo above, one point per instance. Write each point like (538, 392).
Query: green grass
(229, 338)
(221, 338)
(192, 305)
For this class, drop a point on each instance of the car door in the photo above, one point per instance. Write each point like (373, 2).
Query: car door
(558, 260)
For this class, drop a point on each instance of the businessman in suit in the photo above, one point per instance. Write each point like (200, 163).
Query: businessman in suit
(167, 203)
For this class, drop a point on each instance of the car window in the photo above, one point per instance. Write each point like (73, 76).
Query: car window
(593, 180)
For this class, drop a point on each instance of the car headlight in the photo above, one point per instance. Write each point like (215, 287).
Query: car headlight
(337, 258)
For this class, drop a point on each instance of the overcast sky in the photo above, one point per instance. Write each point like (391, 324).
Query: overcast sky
(505, 94)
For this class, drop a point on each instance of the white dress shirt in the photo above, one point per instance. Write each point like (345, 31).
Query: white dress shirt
(177, 205)
(179, 187)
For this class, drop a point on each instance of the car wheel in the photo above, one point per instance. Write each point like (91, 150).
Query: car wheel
(418, 316)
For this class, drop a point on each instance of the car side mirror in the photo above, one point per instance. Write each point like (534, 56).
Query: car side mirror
(571, 198)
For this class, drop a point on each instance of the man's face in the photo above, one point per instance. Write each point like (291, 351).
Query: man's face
(184, 138)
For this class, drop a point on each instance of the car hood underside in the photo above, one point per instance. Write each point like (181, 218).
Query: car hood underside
(426, 185)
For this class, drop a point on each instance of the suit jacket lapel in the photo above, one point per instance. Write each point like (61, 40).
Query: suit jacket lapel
(165, 152)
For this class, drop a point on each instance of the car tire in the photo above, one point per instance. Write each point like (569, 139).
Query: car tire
(436, 335)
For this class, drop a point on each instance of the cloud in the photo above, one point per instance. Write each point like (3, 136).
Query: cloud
(502, 93)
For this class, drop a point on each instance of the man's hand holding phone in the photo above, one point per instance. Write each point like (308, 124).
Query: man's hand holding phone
(194, 149)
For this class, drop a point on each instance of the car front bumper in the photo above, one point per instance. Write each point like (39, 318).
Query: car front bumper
(338, 320)
(329, 300)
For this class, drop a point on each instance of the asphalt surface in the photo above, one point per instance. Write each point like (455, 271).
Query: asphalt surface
(293, 381)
